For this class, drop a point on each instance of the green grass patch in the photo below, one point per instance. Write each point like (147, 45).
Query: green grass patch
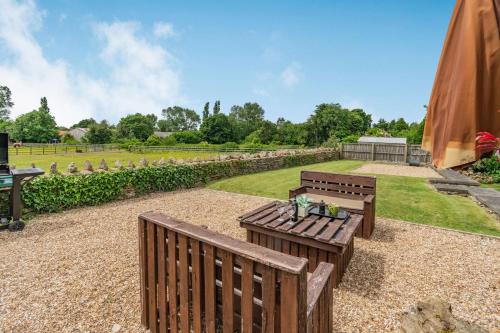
(496, 186)
(44, 161)
(402, 198)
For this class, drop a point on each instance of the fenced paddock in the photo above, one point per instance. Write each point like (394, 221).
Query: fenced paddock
(147, 149)
(52, 149)
(395, 153)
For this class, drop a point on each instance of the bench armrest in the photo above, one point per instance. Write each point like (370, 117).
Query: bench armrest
(320, 285)
(297, 191)
(369, 199)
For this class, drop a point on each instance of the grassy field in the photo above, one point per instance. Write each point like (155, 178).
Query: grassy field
(44, 161)
(403, 198)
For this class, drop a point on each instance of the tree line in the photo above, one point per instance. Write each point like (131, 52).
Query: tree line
(328, 125)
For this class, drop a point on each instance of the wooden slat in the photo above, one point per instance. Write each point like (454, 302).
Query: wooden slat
(348, 229)
(247, 296)
(227, 292)
(268, 299)
(162, 279)
(172, 281)
(143, 259)
(260, 215)
(338, 178)
(288, 295)
(210, 304)
(285, 246)
(304, 225)
(336, 187)
(152, 278)
(196, 285)
(317, 227)
(184, 283)
(289, 225)
(329, 231)
(284, 218)
(267, 219)
(258, 210)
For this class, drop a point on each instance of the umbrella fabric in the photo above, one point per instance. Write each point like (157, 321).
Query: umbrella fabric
(465, 98)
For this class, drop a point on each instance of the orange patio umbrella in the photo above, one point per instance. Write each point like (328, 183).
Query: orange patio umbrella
(465, 97)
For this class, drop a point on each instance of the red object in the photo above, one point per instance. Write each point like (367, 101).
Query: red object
(486, 142)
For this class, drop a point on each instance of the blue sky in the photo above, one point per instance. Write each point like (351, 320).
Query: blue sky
(108, 58)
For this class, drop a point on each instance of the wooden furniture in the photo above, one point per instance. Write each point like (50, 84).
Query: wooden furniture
(319, 239)
(197, 280)
(354, 193)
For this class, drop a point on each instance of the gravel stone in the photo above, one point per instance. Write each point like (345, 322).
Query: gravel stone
(398, 170)
(77, 271)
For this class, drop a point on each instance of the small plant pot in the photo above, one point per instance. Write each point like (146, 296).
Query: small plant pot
(302, 211)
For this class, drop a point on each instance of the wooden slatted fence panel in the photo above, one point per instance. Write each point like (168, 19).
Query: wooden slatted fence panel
(395, 153)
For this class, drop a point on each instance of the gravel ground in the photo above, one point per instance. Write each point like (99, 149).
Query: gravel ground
(77, 271)
(398, 170)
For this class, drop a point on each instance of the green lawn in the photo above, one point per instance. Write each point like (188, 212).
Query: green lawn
(495, 186)
(403, 198)
(44, 161)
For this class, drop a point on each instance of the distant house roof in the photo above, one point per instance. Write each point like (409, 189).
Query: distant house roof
(376, 139)
(78, 133)
(163, 134)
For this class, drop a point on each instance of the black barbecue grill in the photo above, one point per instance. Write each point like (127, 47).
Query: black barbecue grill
(12, 181)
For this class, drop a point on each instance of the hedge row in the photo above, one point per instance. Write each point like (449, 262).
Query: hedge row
(57, 192)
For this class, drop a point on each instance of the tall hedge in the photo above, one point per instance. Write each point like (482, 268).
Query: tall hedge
(57, 192)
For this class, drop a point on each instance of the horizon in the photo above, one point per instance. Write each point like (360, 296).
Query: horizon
(106, 60)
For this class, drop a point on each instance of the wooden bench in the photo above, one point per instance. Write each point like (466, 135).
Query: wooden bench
(351, 192)
(197, 280)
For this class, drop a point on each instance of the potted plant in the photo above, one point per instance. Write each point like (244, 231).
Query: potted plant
(333, 209)
(303, 202)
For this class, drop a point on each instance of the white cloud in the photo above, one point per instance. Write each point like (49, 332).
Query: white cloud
(140, 76)
(290, 75)
(164, 30)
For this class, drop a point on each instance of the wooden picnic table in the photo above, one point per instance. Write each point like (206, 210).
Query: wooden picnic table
(317, 238)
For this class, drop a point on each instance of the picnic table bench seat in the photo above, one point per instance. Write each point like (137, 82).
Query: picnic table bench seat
(354, 193)
(196, 280)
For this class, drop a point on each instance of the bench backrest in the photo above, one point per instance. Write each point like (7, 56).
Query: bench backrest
(196, 279)
(341, 185)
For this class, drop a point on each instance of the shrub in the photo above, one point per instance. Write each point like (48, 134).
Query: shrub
(153, 140)
(332, 142)
(230, 145)
(489, 166)
(57, 192)
(351, 138)
(192, 137)
(168, 141)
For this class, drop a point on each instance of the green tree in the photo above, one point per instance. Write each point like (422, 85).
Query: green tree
(216, 129)
(267, 132)
(35, 126)
(328, 120)
(180, 119)
(84, 123)
(364, 122)
(136, 126)
(5, 102)
(206, 111)
(188, 137)
(216, 107)
(162, 125)
(246, 119)
(99, 133)
(382, 124)
(290, 133)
